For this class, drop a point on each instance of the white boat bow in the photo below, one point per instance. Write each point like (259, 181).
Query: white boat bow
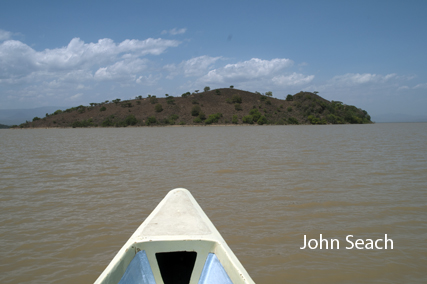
(177, 243)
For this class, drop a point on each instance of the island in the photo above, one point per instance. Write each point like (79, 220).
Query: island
(224, 106)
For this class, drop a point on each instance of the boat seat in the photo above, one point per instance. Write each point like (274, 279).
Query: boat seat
(138, 271)
(213, 272)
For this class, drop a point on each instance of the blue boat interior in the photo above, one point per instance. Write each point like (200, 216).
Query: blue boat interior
(175, 267)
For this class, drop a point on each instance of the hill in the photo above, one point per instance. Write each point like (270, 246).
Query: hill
(220, 106)
(4, 126)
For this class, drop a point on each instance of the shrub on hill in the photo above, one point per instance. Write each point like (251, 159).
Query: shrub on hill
(108, 121)
(248, 119)
(213, 118)
(236, 99)
(126, 104)
(170, 100)
(195, 110)
(150, 120)
(262, 120)
(202, 116)
(255, 114)
(83, 123)
(153, 100)
(131, 120)
(158, 108)
(292, 120)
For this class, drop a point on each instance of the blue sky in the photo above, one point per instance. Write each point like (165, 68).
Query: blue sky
(371, 54)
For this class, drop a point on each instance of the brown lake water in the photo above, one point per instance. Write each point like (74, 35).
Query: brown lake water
(70, 198)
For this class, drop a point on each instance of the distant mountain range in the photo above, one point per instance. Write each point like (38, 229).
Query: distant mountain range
(18, 116)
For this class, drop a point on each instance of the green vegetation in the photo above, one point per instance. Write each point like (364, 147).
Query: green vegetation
(289, 98)
(236, 99)
(4, 126)
(235, 120)
(126, 104)
(202, 116)
(171, 119)
(248, 119)
(151, 120)
(238, 106)
(108, 121)
(195, 110)
(158, 108)
(213, 118)
(269, 94)
(130, 120)
(206, 88)
(170, 100)
(262, 120)
(218, 92)
(292, 120)
(36, 118)
(103, 108)
(316, 120)
(83, 123)
(153, 99)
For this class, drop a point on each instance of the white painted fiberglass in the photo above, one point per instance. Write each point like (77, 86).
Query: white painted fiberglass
(177, 224)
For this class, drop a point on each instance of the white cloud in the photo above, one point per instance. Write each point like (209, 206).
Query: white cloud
(421, 86)
(18, 60)
(148, 80)
(174, 31)
(254, 69)
(403, 88)
(196, 66)
(125, 69)
(76, 96)
(5, 35)
(293, 79)
(351, 79)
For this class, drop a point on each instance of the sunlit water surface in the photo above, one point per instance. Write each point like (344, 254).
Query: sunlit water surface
(70, 198)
